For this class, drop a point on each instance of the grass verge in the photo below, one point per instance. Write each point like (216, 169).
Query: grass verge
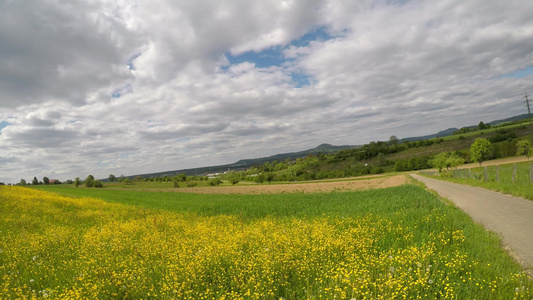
(498, 178)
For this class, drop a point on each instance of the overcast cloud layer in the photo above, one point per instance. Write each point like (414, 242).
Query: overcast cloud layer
(129, 87)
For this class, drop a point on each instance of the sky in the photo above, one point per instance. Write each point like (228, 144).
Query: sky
(131, 87)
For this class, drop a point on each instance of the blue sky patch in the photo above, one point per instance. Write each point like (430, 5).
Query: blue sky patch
(267, 58)
(273, 56)
(319, 34)
(3, 124)
(300, 79)
(118, 92)
(518, 73)
(130, 64)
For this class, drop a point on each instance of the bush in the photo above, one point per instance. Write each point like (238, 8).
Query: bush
(98, 184)
(215, 182)
(502, 136)
(191, 183)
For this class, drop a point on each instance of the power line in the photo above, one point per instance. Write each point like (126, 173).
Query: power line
(527, 105)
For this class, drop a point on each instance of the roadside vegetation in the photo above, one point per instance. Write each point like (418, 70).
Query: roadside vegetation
(514, 179)
(394, 243)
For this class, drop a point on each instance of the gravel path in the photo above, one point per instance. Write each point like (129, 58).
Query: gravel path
(510, 217)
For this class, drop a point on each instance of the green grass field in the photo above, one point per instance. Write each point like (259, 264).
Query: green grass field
(394, 243)
(499, 178)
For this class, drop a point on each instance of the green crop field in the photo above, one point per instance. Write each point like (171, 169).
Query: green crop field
(393, 243)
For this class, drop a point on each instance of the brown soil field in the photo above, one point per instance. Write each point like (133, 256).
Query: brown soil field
(308, 187)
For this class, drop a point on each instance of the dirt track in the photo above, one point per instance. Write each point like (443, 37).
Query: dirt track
(309, 187)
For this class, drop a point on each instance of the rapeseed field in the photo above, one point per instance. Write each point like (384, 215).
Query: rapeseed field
(59, 247)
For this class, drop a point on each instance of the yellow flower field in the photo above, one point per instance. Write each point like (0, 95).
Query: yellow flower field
(81, 248)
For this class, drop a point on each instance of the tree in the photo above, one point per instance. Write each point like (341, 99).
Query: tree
(270, 177)
(481, 125)
(260, 178)
(480, 150)
(524, 148)
(381, 159)
(46, 180)
(393, 140)
(111, 178)
(89, 181)
(454, 160)
(98, 184)
(77, 181)
(233, 177)
(22, 182)
(215, 181)
(35, 181)
(401, 165)
(191, 183)
(439, 161)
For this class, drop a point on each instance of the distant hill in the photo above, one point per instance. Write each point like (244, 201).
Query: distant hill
(247, 163)
(442, 133)
(450, 131)
(323, 148)
(511, 119)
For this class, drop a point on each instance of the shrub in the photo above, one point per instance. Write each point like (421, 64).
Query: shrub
(98, 184)
(215, 181)
(191, 183)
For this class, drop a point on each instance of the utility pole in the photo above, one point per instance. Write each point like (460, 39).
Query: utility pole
(527, 105)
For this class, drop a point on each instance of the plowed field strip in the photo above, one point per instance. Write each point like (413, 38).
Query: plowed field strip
(315, 187)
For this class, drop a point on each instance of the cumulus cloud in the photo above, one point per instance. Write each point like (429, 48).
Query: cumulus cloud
(106, 87)
(52, 51)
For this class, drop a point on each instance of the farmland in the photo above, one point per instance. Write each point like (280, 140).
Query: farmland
(248, 187)
(388, 243)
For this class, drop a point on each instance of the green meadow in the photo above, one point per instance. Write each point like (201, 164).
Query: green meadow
(393, 243)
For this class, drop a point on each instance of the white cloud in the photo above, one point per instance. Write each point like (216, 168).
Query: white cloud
(389, 67)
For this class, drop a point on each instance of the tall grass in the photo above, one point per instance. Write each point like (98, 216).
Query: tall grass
(499, 178)
(396, 243)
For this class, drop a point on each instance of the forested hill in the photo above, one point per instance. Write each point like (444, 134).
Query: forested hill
(442, 133)
(323, 148)
(247, 163)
